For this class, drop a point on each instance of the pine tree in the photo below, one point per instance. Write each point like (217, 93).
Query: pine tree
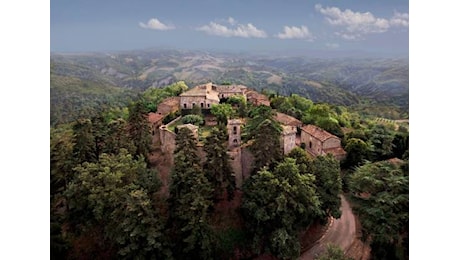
(139, 129)
(216, 167)
(189, 201)
(84, 149)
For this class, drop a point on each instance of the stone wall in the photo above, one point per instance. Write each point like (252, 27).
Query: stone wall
(313, 145)
(167, 139)
(235, 163)
(187, 102)
(247, 162)
(287, 139)
(331, 143)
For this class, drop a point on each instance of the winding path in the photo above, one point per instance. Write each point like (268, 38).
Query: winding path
(341, 232)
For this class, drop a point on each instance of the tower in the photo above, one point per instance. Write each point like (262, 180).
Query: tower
(234, 132)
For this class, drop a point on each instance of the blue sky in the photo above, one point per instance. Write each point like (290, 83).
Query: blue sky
(266, 25)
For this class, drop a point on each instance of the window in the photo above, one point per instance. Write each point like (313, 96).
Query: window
(208, 105)
(193, 104)
(310, 144)
(234, 130)
(185, 105)
(235, 141)
(202, 105)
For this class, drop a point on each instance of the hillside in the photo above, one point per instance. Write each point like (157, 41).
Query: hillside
(360, 82)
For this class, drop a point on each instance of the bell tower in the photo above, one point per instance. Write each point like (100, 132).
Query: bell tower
(234, 132)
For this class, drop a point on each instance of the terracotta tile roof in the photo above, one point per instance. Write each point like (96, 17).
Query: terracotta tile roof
(171, 101)
(287, 119)
(155, 118)
(318, 133)
(230, 88)
(336, 151)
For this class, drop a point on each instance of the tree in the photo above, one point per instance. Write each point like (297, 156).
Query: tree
(400, 144)
(189, 200)
(217, 167)
(357, 152)
(381, 141)
(380, 196)
(303, 161)
(84, 149)
(118, 137)
(222, 112)
(193, 119)
(329, 184)
(276, 206)
(264, 132)
(123, 188)
(61, 159)
(266, 146)
(333, 252)
(139, 129)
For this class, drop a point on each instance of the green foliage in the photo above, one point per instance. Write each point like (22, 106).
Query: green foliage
(381, 142)
(217, 166)
(276, 206)
(193, 119)
(329, 184)
(333, 252)
(381, 201)
(61, 159)
(72, 98)
(189, 201)
(357, 151)
(222, 112)
(139, 129)
(266, 144)
(84, 149)
(123, 188)
(240, 102)
(153, 96)
(401, 145)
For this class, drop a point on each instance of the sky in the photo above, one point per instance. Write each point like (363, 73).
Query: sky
(238, 25)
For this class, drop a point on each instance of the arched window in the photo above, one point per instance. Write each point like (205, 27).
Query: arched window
(185, 105)
(235, 141)
(234, 130)
(310, 144)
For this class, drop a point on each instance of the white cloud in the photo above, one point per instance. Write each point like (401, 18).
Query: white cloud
(231, 21)
(400, 19)
(354, 22)
(295, 33)
(241, 30)
(155, 24)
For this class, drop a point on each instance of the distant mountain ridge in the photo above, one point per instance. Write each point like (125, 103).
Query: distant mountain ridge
(341, 81)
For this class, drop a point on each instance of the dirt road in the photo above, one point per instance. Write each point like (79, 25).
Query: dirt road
(341, 232)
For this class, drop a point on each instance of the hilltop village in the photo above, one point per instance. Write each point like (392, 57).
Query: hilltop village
(313, 139)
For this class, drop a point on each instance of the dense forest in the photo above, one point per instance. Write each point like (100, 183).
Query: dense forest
(107, 199)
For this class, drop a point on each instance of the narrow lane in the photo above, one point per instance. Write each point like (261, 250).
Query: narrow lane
(341, 232)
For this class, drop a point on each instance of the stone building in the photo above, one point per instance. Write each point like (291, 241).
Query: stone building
(320, 142)
(169, 105)
(288, 137)
(155, 121)
(287, 120)
(226, 91)
(234, 132)
(203, 96)
(257, 99)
